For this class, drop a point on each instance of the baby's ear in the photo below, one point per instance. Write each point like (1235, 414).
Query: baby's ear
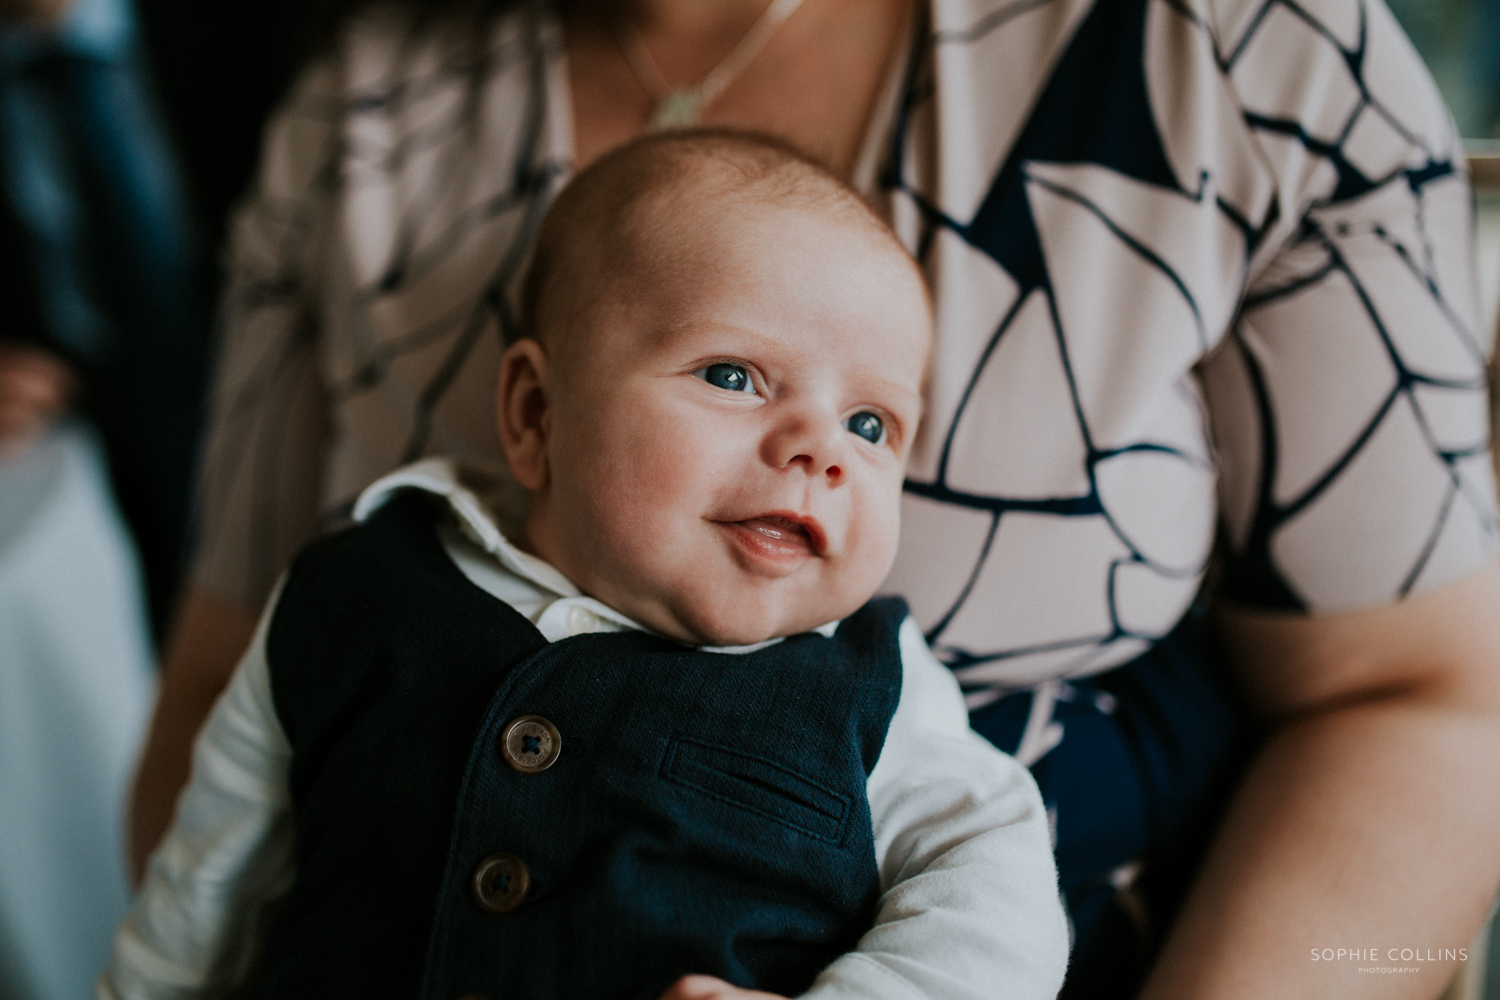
(522, 409)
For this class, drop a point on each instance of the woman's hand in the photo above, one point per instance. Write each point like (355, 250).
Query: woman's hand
(709, 988)
(35, 389)
(44, 13)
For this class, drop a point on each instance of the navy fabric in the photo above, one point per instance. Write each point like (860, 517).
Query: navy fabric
(1149, 754)
(708, 812)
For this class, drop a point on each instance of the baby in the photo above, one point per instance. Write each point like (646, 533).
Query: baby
(662, 730)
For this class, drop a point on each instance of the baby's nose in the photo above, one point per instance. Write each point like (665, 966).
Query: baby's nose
(813, 443)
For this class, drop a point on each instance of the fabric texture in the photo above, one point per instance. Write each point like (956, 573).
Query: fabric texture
(708, 813)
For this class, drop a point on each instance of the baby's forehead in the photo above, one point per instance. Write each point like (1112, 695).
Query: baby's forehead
(712, 202)
(675, 214)
(759, 284)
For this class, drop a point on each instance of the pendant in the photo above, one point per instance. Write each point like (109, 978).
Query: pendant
(681, 108)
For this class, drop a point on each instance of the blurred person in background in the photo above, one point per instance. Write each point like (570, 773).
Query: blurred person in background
(100, 261)
(102, 341)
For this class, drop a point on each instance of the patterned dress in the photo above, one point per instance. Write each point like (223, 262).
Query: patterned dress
(1202, 271)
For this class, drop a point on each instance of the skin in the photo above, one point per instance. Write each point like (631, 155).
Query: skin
(42, 13)
(709, 988)
(714, 516)
(1369, 818)
(35, 389)
(1362, 813)
(814, 84)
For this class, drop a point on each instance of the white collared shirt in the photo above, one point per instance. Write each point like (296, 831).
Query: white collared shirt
(969, 907)
(532, 586)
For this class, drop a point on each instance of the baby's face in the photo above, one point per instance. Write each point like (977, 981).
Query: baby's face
(725, 450)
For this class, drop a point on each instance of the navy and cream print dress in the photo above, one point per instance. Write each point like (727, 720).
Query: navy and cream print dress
(1202, 270)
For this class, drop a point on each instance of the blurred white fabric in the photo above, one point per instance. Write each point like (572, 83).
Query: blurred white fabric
(75, 691)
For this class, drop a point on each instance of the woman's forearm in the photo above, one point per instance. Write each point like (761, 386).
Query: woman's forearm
(1368, 820)
(1373, 827)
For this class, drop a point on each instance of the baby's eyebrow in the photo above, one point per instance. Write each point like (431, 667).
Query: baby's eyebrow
(912, 398)
(710, 338)
(683, 328)
(900, 385)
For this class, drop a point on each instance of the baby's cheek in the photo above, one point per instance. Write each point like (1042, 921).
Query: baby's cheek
(874, 531)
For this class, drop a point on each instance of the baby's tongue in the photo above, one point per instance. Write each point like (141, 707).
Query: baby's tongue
(778, 528)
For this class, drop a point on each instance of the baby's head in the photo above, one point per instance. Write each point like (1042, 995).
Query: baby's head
(718, 383)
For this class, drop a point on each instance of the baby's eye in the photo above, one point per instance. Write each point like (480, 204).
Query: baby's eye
(867, 425)
(727, 376)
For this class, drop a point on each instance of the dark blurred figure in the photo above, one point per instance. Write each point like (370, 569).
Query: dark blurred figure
(219, 67)
(100, 274)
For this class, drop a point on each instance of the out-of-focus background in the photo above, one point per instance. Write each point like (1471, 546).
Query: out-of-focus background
(1460, 41)
(128, 128)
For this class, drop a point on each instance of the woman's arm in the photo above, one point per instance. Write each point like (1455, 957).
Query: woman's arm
(1369, 819)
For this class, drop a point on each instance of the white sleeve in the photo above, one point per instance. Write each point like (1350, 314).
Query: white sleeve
(228, 852)
(970, 906)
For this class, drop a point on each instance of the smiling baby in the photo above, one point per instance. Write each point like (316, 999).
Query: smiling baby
(661, 730)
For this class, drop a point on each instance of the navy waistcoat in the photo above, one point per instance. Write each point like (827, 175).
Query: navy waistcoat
(708, 812)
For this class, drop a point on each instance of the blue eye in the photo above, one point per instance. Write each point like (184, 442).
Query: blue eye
(866, 425)
(727, 376)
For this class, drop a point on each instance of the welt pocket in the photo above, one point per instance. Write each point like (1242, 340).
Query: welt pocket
(760, 786)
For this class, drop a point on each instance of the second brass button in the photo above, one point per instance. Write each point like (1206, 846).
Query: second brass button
(530, 744)
(501, 882)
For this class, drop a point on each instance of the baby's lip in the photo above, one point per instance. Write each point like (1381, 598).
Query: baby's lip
(790, 527)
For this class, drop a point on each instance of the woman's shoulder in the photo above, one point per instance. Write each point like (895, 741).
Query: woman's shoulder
(389, 53)
(390, 86)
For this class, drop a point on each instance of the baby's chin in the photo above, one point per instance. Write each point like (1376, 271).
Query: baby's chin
(742, 625)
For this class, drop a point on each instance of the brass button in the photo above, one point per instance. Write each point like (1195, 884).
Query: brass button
(530, 744)
(500, 883)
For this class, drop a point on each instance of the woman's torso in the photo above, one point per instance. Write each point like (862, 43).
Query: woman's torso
(1101, 195)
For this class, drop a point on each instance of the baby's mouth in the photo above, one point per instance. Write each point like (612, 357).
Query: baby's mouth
(785, 533)
(779, 529)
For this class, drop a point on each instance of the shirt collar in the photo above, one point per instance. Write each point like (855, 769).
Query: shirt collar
(446, 478)
(458, 485)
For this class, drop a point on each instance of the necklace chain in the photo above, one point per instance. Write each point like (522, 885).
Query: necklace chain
(683, 107)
